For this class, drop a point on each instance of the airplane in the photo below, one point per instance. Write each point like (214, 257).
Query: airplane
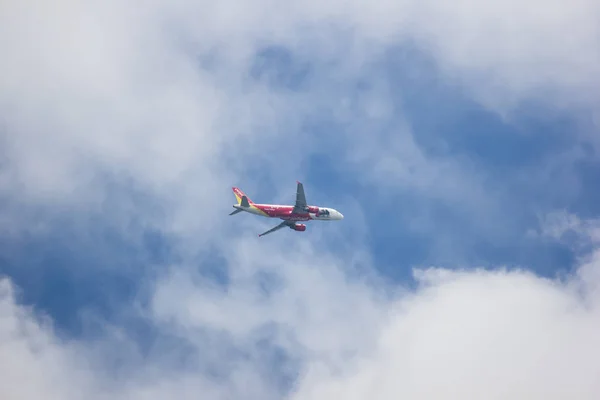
(290, 215)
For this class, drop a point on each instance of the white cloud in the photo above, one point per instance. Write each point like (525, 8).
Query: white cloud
(474, 335)
(115, 88)
(118, 85)
(90, 89)
(34, 362)
(467, 334)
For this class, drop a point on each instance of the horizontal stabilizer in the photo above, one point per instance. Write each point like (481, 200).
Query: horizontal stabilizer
(244, 202)
(239, 210)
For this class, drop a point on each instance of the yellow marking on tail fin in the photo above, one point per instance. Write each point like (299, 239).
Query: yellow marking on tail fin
(238, 194)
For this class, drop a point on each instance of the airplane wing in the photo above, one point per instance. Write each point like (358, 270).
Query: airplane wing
(278, 227)
(300, 206)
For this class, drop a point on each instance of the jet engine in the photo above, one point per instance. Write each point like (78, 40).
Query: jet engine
(299, 227)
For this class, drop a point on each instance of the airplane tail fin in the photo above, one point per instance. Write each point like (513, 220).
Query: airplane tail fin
(243, 201)
(241, 197)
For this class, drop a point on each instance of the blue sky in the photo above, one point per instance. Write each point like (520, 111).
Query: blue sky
(116, 185)
(441, 116)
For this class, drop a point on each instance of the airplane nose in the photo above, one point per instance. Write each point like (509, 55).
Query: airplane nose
(341, 216)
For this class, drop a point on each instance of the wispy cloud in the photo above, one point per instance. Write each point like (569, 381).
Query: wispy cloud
(122, 119)
(468, 333)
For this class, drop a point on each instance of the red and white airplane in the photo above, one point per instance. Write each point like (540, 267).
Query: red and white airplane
(301, 211)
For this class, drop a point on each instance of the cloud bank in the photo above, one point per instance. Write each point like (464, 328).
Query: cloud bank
(136, 116)
(499, 334)
(160, 90)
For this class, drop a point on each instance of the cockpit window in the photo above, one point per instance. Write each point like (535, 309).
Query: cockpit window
(322, 213)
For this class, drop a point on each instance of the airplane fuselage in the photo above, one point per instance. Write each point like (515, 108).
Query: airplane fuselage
(286, 212)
